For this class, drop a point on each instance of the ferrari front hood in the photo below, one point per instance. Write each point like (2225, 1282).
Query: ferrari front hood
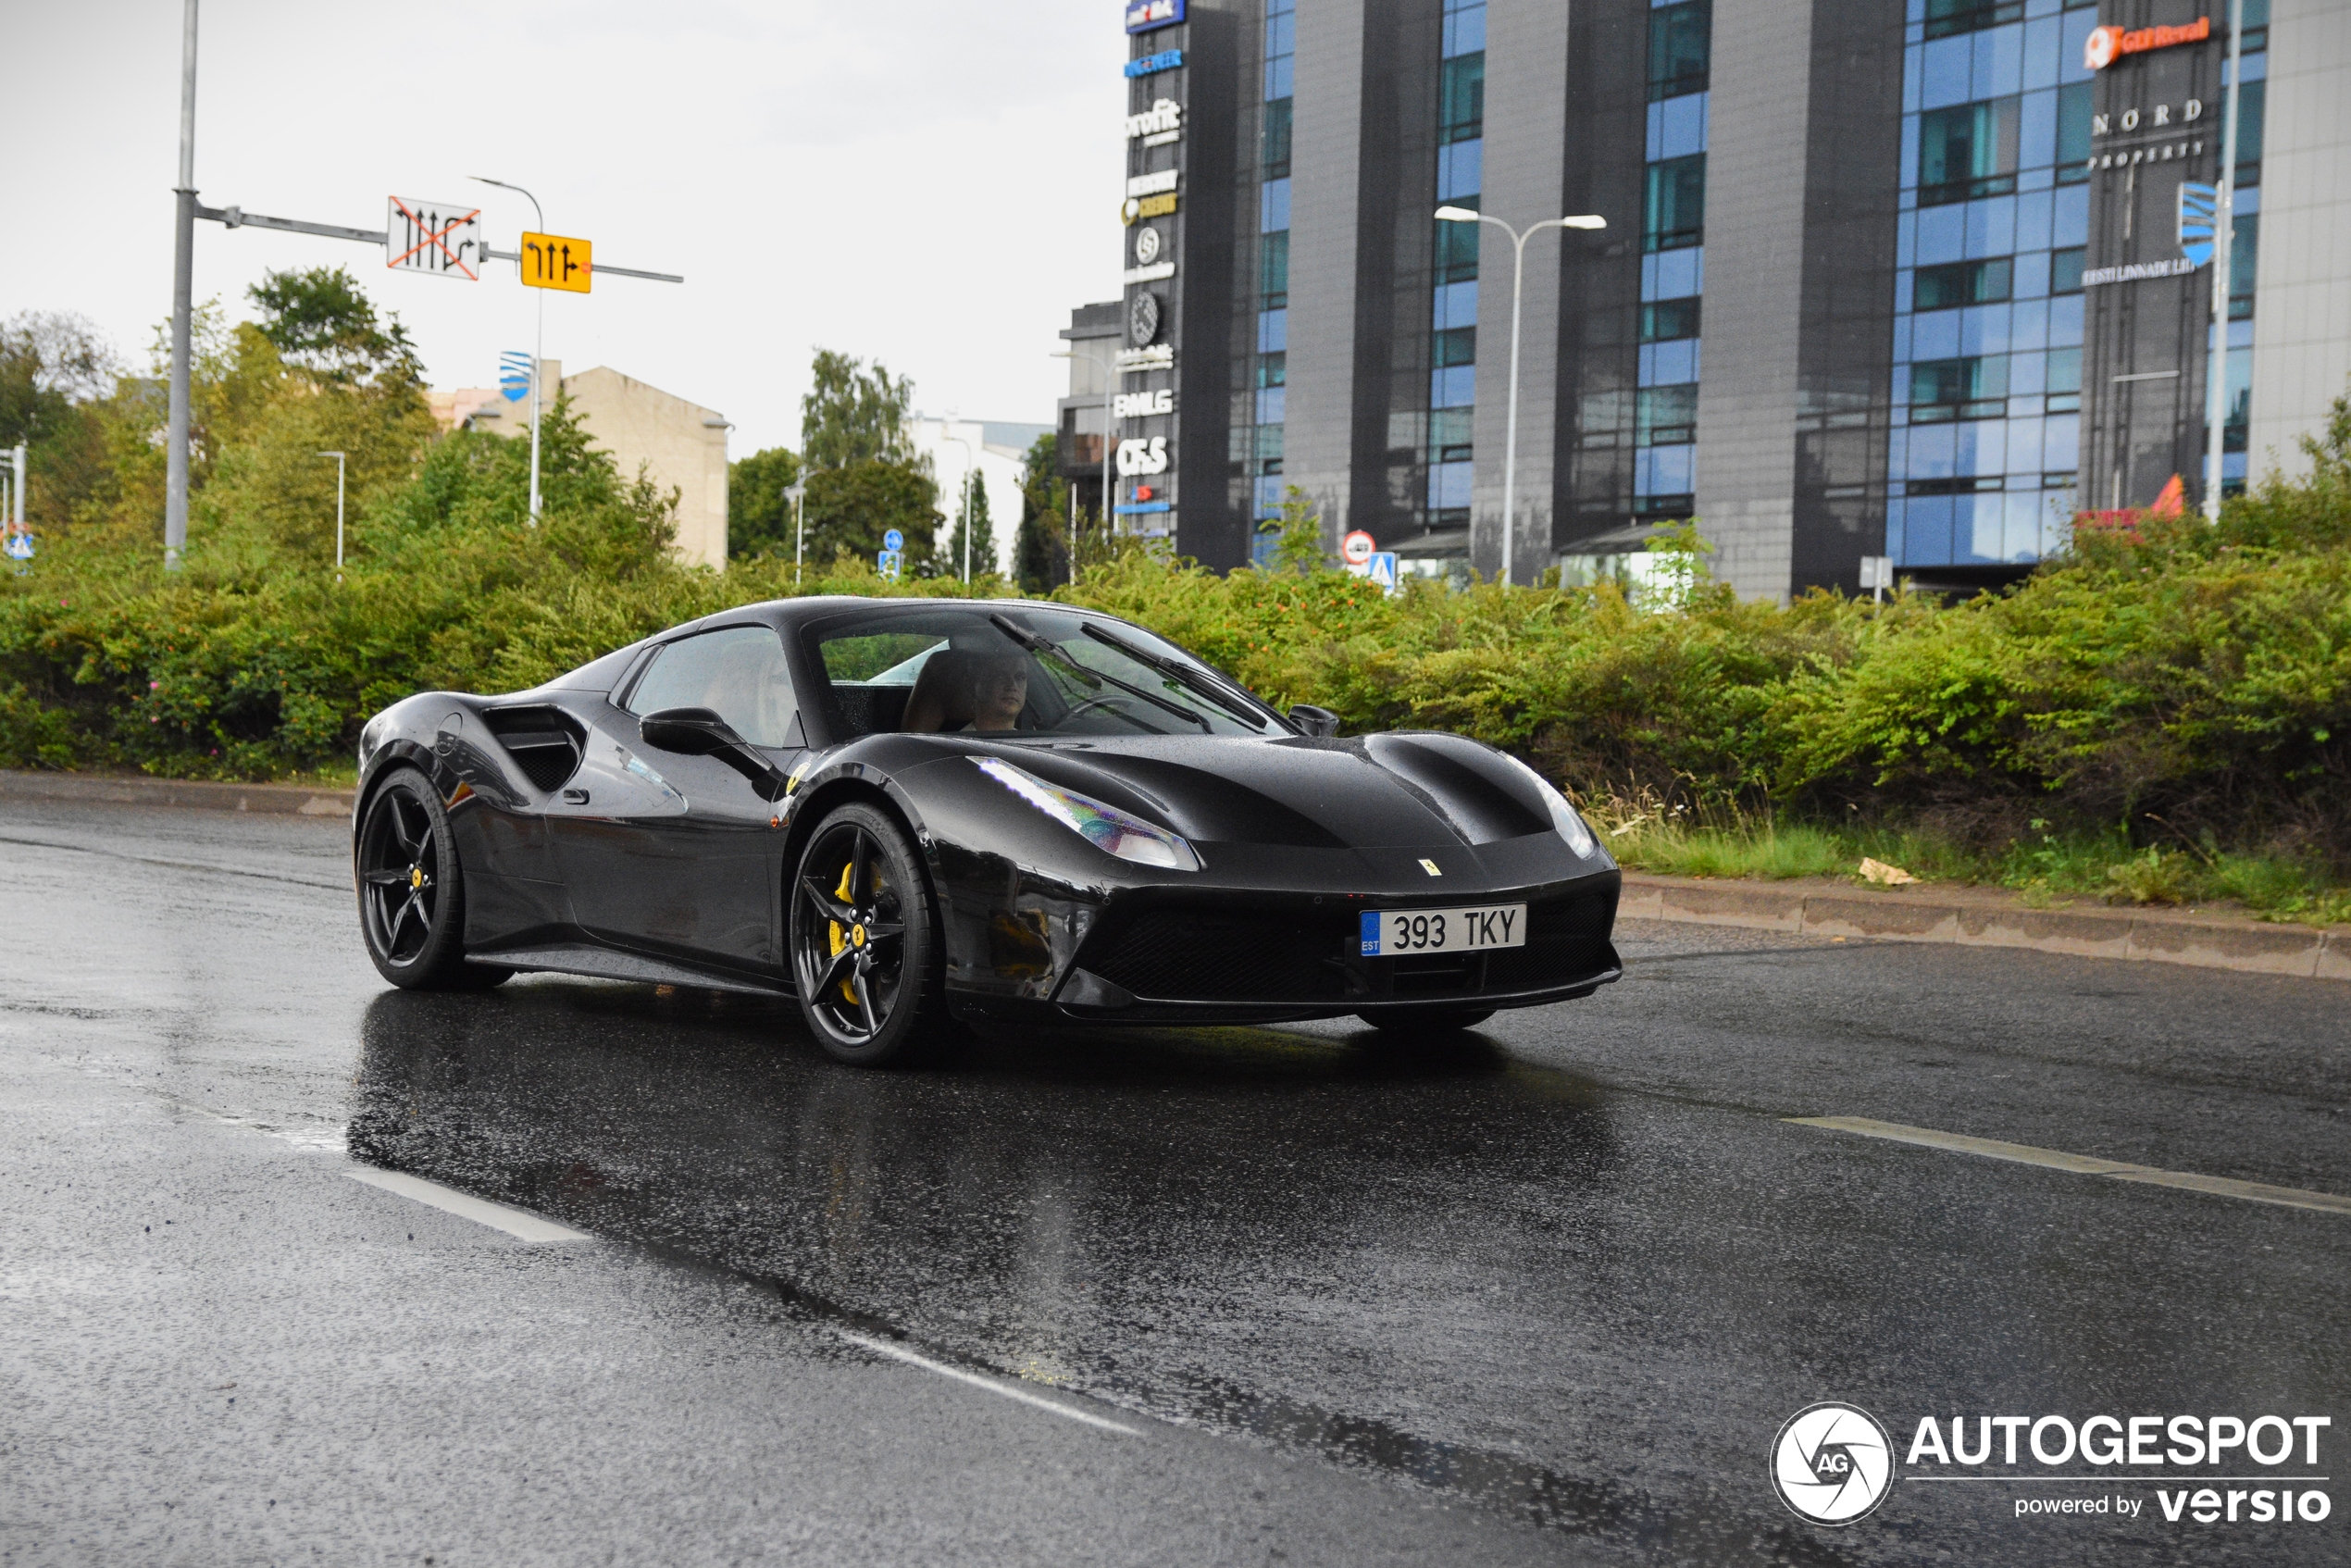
(1393, 791)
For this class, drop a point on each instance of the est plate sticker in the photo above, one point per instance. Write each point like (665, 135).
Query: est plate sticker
(1389, 932)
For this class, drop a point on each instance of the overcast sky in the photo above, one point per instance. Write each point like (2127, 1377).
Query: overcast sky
(933, 182)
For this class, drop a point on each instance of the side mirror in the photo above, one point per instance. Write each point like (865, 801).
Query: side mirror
(1320, 722)
(700, 732)
(694, 732)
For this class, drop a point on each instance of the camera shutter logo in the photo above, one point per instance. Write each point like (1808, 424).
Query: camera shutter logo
(1832, 1464)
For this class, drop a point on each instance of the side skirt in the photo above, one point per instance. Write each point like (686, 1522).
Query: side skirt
(604, 963)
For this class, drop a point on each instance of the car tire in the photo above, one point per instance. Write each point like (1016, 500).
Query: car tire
(1427, 1022)
(412, 890)
(865, 950)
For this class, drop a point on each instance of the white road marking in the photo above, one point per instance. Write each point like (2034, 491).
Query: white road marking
(899, 1352)
(520, 1224)
(2080, 1164)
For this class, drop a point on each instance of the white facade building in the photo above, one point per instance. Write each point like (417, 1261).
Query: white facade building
(997, 448)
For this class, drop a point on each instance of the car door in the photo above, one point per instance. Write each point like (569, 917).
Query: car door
(676, 854)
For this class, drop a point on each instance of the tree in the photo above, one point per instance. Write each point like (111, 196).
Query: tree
(1040, 542)
(323, 325)
(851, 509)
(854, 415)
(1299, 546)
(759, 515)
(54, 369)
(983, 543)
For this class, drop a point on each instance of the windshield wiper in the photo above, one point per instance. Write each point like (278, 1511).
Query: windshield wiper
(1093, 678)
(1045, 645)
(1192, 679)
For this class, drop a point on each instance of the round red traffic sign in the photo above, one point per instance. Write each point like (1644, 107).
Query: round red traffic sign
(1356, 548)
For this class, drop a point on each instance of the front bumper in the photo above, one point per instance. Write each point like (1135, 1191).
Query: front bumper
(1163, 956)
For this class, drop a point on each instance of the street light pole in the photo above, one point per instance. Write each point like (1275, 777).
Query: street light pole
(183, 275)
(538, 341)
(967, 501)
(1518, 280)
(2215, 391)
(1110, 381)
(339, 471)
(798, 493)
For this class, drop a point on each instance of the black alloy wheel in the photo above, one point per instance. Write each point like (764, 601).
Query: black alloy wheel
(412, 896)
(864, 951)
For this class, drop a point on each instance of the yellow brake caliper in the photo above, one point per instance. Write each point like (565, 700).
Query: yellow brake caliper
(848, 992)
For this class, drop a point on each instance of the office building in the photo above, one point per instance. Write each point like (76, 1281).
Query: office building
(1897, 276)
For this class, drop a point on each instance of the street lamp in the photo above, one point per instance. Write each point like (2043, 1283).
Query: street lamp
(798, 493)
(2224, 221)
(1518, 280)
(338, 472)
(538, 342)
(1110, 381)
(968, 461)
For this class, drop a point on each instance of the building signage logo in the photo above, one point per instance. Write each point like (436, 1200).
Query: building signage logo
(1151, 65)
(1143, 404)
(1148, 274)
(2159, 118)
(1134, 361)
(1135, 208)
(1148, 15)
(1141, 454)
(1151, 184)
(1158, 125)
(2140, 271)
(2107, 45)
(1142, 319)
(1147, 244)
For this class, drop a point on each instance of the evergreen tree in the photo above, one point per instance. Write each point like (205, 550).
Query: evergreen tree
(983, 544)
(1040, 543)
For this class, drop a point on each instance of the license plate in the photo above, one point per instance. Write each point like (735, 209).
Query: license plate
(1392, 931)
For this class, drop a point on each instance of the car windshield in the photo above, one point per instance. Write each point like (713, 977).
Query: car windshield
(1019, 670)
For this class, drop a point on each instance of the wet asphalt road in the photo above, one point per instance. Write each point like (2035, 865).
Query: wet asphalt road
(1544, 1294)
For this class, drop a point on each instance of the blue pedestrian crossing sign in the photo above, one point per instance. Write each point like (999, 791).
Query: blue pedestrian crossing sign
(1381, 569)
(893, 542)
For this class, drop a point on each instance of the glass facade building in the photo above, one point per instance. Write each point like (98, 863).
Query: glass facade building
(1898, 279)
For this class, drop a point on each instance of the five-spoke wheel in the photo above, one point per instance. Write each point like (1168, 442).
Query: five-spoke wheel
(862, 950)
(412, 891)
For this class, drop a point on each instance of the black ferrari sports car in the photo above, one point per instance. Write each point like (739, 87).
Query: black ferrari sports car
(905, 812)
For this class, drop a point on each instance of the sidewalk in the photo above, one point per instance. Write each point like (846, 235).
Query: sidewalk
(138, 790)
(1809, 906)
(1992, 917)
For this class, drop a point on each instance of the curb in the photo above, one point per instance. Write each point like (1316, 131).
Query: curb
(1989, 920)
(116, 789)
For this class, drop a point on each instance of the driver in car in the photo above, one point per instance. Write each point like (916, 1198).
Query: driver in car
(999, 692)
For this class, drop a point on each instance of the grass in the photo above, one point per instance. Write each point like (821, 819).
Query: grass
(2044, 869)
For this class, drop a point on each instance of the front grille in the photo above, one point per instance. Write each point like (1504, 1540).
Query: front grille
(1564, 937)
(1180, 955)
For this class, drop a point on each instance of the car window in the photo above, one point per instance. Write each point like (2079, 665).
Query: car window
(738, 673)
(1019, 670)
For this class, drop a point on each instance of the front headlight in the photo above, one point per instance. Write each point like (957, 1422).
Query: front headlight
(1106, 828)
(1570, 826)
